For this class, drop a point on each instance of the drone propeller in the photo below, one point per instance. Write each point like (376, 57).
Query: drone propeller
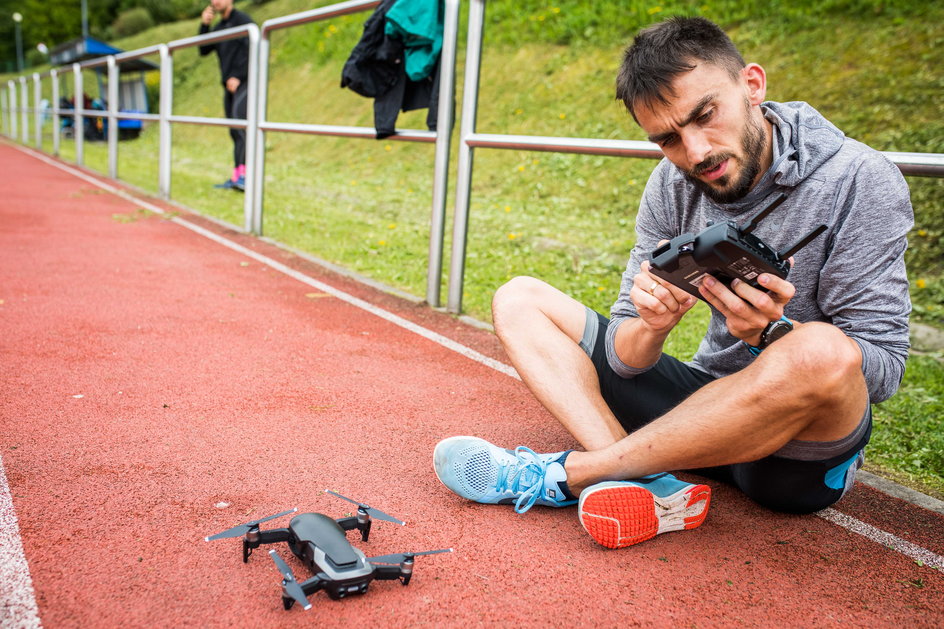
(242, 529)
(401, 557)
(377, 513)
(289, 584)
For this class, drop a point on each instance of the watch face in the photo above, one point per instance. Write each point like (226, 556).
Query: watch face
(776, 330)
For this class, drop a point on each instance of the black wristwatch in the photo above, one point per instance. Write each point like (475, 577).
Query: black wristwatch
(773, 331)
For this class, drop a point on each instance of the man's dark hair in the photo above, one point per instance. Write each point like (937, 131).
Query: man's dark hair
(662, 51)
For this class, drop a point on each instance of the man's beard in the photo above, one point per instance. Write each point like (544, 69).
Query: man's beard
(752, 146)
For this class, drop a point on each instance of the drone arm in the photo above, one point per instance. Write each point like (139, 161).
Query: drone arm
(314, 584)
(402, 571)
(361, 522)
(255, 538)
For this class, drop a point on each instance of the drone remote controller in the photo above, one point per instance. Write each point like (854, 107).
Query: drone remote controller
(725, 251)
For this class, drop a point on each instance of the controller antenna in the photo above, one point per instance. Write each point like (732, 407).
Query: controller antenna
(802, 242)
(757, 218)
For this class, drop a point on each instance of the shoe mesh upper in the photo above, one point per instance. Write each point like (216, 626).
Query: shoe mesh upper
(474, 468)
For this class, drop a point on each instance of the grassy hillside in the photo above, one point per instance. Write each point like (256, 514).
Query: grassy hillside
(873, 68)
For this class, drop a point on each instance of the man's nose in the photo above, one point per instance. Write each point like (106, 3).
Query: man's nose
(697, 147)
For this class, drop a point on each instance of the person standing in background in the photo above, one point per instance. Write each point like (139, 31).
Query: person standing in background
(233, 55)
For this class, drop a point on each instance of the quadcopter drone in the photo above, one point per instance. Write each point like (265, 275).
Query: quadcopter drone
(321, 544)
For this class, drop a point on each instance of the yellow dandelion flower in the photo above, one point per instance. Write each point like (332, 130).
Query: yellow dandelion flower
(654, 10)
(535, 162)
(387, 147)
(507, 208)
(519, 111)
(562, 116)
(922, 232)
(555, 9)
(921, 283)
(353, 182)
(512, 235)
(521, 168)
(600, 289)
(392, 226)
(382, 242)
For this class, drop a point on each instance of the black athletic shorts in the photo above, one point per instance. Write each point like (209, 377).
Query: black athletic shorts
(801, 477)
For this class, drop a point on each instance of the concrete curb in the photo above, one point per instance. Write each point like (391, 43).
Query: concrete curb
(900, 491)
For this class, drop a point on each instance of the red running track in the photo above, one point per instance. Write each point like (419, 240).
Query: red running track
(151, 376)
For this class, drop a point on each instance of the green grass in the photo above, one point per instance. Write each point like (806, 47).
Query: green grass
(872, 68)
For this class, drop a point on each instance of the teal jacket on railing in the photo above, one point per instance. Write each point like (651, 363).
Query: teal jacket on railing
(419, 25)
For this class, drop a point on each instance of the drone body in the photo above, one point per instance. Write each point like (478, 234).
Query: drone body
(320, 542)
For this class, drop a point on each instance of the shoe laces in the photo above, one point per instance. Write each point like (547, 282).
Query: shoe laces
(525, 476)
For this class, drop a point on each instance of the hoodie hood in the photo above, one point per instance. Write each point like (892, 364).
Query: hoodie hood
(803, 141)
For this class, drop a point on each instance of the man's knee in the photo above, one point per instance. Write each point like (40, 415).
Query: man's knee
(516, 299)
(523, 303)
(821, 356)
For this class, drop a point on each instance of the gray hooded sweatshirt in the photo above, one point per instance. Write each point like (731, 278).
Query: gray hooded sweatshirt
(852, 275)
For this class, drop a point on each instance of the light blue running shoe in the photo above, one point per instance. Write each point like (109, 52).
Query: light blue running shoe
(480, 471)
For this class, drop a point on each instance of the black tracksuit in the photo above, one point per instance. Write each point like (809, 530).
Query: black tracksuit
(234, 62)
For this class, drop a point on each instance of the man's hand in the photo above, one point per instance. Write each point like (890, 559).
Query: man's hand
(747, 310)
(207, 16)
(232, 84)
(660, 304)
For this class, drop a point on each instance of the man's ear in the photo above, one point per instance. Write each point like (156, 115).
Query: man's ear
(755, 81)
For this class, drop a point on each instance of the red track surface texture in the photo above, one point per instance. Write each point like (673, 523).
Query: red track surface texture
(150, 375)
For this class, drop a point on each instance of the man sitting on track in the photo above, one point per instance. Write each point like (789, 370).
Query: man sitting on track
(784, 421)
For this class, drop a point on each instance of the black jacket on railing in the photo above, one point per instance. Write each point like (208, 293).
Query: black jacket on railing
(376, 70)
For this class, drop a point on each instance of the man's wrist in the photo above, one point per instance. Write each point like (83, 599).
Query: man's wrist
(773, 331)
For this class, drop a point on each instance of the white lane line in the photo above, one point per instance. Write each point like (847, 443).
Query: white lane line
(847, 522)
(17, 600)
(919, 554)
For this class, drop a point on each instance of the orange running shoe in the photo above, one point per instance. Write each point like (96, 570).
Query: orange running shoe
(622, 513)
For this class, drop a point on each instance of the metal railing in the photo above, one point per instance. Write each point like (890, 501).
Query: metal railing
(441, 137)
(256, 124)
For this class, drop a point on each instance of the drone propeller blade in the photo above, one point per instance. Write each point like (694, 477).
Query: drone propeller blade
(375, 513)
(400, 557)
(242, 529)
(289, 584)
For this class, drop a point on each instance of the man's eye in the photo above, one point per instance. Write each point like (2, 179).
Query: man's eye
(669, 141)
(705, 117)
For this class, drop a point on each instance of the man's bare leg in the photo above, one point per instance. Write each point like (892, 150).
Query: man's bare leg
(540, 328)
(808, 386)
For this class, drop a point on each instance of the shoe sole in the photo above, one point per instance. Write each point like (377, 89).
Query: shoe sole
(617, 515)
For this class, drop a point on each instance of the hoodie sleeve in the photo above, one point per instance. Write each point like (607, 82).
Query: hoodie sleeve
(863, 287)
(653, 224)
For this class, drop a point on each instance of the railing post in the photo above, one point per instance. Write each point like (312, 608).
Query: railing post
(56, 121)
(37, 111)
(470, 97)
(444, 125)
(112, 117)
(11, 91)
(257, 166)
(166, 107)
(78, 120)
(5, 109)
(24, 111)
(252, 222)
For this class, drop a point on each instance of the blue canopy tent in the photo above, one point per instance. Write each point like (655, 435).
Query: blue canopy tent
(132, 91)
